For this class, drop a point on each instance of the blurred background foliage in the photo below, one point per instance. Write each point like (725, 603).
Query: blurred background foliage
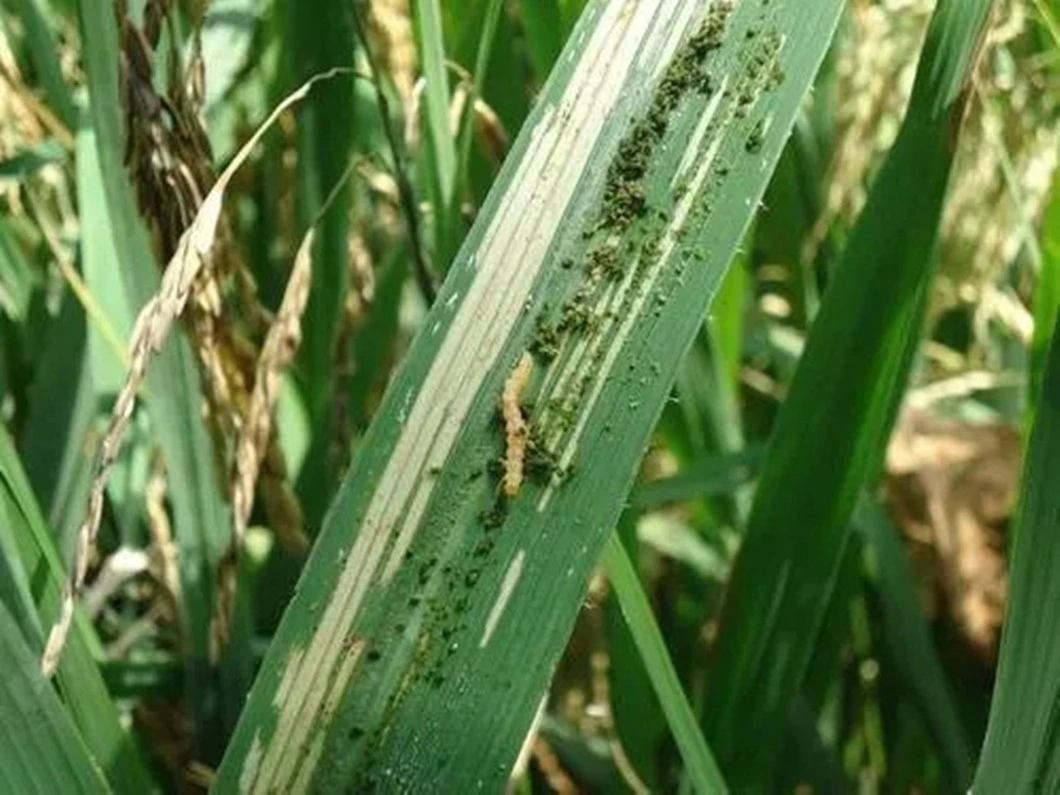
(903, 704)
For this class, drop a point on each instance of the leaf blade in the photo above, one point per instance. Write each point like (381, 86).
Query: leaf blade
(432, 51)
(702, 769)
(829, 436)
(40, 749)
(414, 520)
(1020, 752)
(85, 693)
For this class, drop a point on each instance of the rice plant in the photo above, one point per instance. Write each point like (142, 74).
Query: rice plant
(537, 396)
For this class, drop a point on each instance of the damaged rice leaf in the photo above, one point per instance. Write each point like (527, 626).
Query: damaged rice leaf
(430, 594)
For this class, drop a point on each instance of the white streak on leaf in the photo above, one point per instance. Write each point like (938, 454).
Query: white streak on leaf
(250, 764)
(511, 578)
(507, 262)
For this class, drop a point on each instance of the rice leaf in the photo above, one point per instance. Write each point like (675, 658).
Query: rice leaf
(40, 749)
(79, 680)
(487, 36)
(711, 476)
(107, 347)
(543, 27)
(28, 161)
(18, 277)
(699, 763)
(830, 434)
(14, 584)
(62, 409)
(36, 20)
(908, 641)
(428, 596)
(325, 134)
(1047, 290)
(428, 18)
(1021, 752)
(640, 725)
(375, 342)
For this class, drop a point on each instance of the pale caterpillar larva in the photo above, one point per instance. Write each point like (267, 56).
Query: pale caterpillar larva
(515, 427)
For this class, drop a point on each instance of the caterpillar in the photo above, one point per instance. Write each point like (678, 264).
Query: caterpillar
(515, 427)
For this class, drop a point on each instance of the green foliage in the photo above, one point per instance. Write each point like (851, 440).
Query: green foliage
(834, 423)
(703, 771)
(33, 580)
(1020, 750)
(680, 350)
(421, 521)
(43, 751)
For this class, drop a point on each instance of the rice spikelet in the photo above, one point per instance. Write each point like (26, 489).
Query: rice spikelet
(252, 445)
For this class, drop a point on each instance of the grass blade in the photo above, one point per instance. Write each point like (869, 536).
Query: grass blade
(325, 136)
(908, 638)
(427, 596)
(831, 430)
(63, 407)
(79, 679)
(487, 36)
(40, 750)
(640, 724)
(14, 584)
(711, 476)
(1047, 290)
(1021, 753)
(544, 34)
(432, 54)
(30, 161)
(106, 346)
(702, 769)
(45, 57)
(17, 275)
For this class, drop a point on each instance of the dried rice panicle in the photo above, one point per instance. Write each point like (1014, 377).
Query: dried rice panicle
(252, 445)
(149, 333)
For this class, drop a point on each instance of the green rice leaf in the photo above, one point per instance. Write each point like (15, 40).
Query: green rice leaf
(40, 749)
(434, 589)
(1021, 751)
(325, 136)
(80, 683)
(709, 477)
(98, 255)
(45, 57)
(830, 434)
(1047, 290)
(59, 424)
(640, 724)
(22, 164)
(428, 19)
(907, 639)
(18, 276)
(543, 27)
(702, 769)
